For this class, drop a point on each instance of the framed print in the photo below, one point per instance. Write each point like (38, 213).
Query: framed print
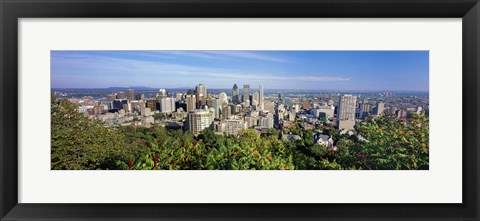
(227, 110)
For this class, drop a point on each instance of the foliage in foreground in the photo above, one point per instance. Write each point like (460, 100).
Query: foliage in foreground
(78, 143)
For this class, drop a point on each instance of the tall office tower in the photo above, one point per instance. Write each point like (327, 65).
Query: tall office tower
(223, 98)
(235, 94)
(167, 105)
(162, 93)
(198, 120)
(266, 122)
(226, 111)
(246, 95)
(152, 104)
(380, 108)
(191, 102)
(260, 96)
(111, 97)
(346, 112)
(280, 99)
(251, 121)
(256, 99)
(365, 109)
(131, 94)
(121, 95)
(217, 106)
(201, 92)
(118, 103)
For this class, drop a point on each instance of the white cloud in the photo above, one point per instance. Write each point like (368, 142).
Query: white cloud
(124, 68)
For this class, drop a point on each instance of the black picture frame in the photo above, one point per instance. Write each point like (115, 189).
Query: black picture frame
(12, 10)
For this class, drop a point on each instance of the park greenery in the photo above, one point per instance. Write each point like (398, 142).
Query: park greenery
(384, 143)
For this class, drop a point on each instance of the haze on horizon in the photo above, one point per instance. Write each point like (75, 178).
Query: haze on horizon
(308, 70)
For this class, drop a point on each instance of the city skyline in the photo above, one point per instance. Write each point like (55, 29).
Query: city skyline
(349, 70)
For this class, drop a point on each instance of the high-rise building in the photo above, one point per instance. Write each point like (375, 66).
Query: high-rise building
(380, 108)
(365, 109)
(281, 100)
(266, 122)
(346, 112)
(251, 121)
(191, 102)
(260, 97)
(198, 120)
(201, 93)
(255, 99)
(118, 103)
(121, 95)
(233, 127)
(246, 95)
(226, 112)
(152, 104)
(162, 93)
(217, 106)
(235, 94)
(130, 94)
(167, 105)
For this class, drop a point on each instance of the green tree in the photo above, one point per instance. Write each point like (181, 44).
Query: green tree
(393, 145)
(79, 143)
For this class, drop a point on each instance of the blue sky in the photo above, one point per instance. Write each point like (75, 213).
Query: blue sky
(321, 70)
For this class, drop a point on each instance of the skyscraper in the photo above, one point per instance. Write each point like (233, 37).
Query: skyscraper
(167, 105)
(261, 96)
(246, 95)
(198, 120)
(380, 108)
(255, 99)
(201, 92)
(235, 94)
(152, 104)
(162, 93)
(130, 94)
(191, 102)
(226, 111)
(346, 112)
(365, 109)
(280, 99)
(217, 106)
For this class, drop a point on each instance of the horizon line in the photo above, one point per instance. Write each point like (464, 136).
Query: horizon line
(176, 88)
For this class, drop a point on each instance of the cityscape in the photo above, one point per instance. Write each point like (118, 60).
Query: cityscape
(241, 125)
